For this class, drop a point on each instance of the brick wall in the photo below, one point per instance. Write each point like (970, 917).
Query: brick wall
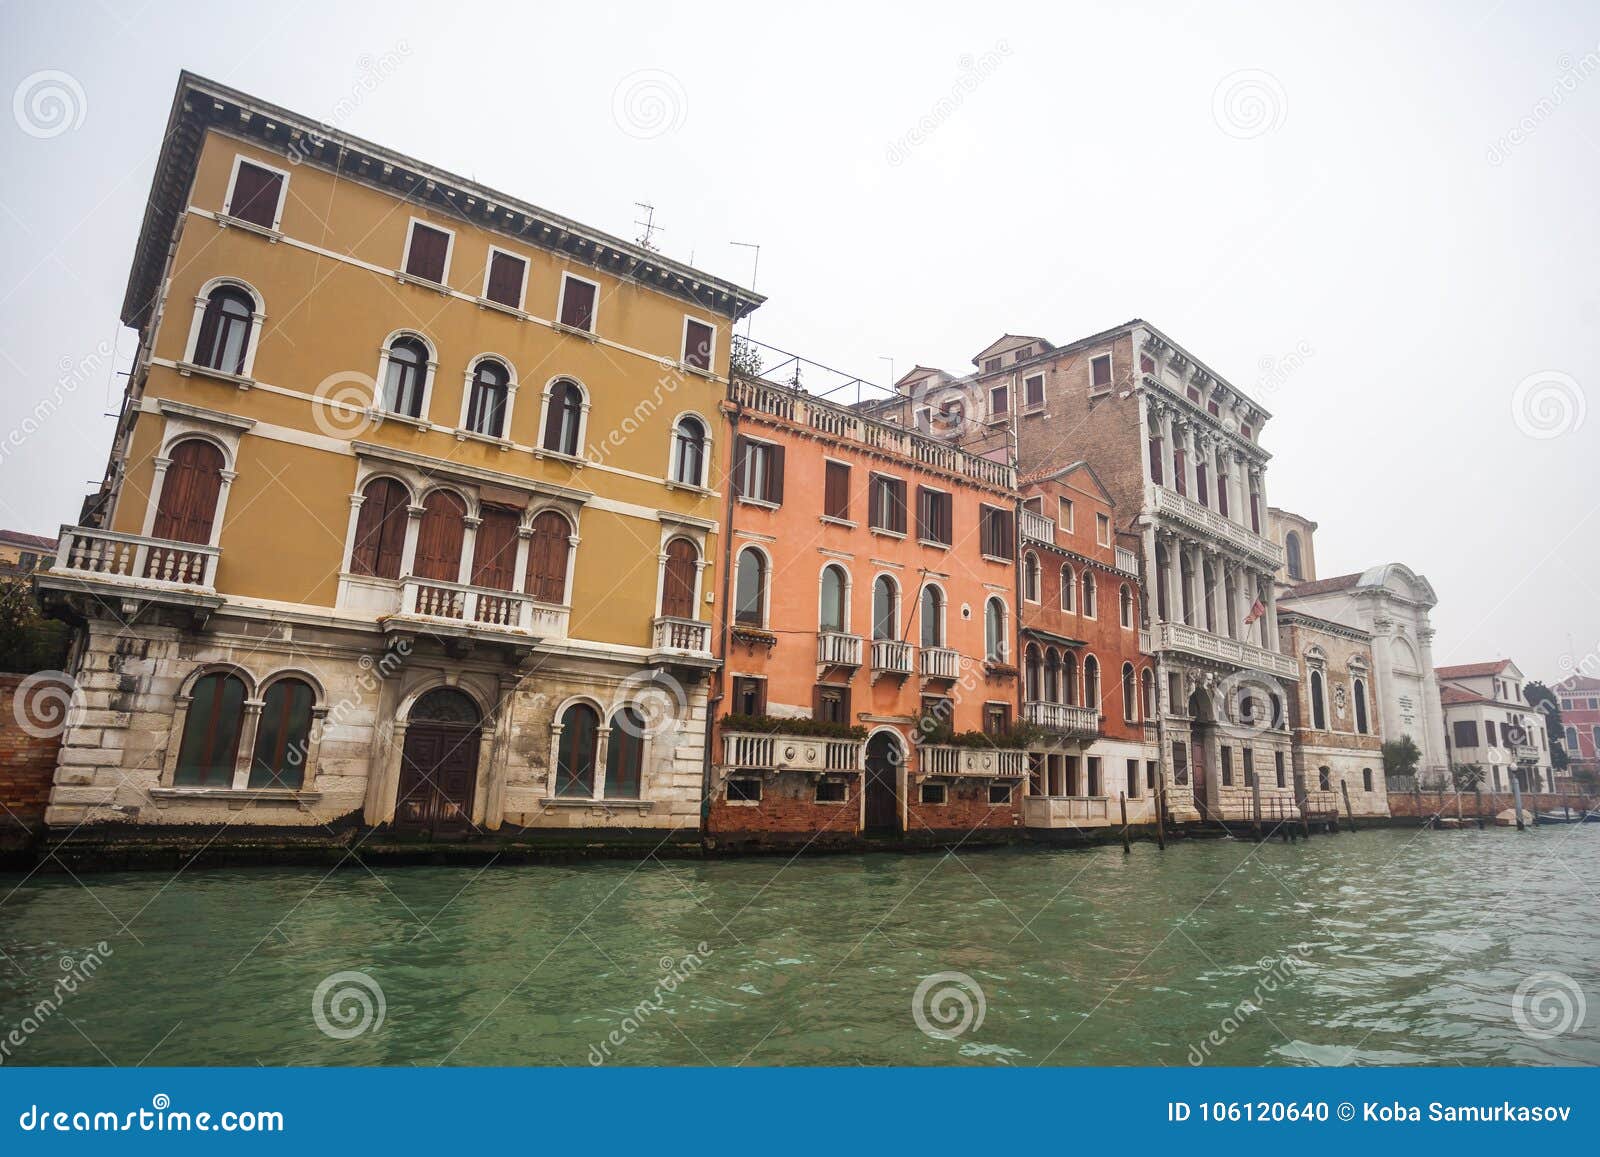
(1429, 803)
(788, 806)
(27, 761)
(966, 808)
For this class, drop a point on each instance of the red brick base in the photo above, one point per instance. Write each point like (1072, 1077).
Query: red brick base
(27, 767)
(1431, 803)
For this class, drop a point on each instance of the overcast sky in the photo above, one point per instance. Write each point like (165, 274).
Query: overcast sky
(1380, 220)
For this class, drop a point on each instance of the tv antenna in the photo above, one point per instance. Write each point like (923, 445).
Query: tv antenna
(648, 227)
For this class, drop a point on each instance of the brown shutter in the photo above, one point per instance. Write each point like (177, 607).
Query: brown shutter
(547, 558)
(775, 474)
(494, 552)
(741, 454)
(577, 304)
(897, 505)
(380, 530)
(255, 195)
(553, 415)
(697, 344)
(189, 493)
(428, 250)
(946, 516)
(836, 490)
(505, 279)
(439, 537)
(677, 586)
(924, 513)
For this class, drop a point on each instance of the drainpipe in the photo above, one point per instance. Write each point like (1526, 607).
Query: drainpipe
(714, 702)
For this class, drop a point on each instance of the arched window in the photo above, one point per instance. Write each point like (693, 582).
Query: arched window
(1030, 577)
(549, 554)
(1069, 587)
(678, 579)
(577, 751)
(1319, 707)
(1130, 708)
(486, 398)
(211, 732)
(1360, 695)
(1366, 779)
(223, 342)
(494, 547)
(1324, 779)
(187, 507)
(885, 608)
(439, 537)
(750, 589)
(1088, 594)
(380, 529)
(625, 754)
(1125, 605)
(1572, 741)
(1291, 546)
(1147, 687)
(1161, 583)
(405, 376)
(932, 617)
(564, 418)
(994, 631)
(1052, 675)
(1033, 673)
(283, 735)
(445, 705)
(831, 613)
(1069, 678)
(1091, 682)
(689, 451)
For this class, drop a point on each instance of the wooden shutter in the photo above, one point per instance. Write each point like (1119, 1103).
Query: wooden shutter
(697, 338)
(946, 525)
(189, 492)
(547, 558)
(494, 553)
(380, 530)
(836, 490)
(439, 537)
(677, 584)
(924, 513)
(774, 474)
(256, 193)
(429, 248)
(505, 279)
(577, 304)
(897, 505)
(1155, 460)
(741, 457)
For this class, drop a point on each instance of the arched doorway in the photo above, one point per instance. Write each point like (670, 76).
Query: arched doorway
(885, 757)
(439, 764)
(1202, 727)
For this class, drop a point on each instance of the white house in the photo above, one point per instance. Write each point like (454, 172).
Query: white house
(1488, 721)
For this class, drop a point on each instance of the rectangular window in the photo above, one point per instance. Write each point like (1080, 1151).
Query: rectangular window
(996, 538)
(887, 508)
(832, 704)
(999, 400)
(1033, 391)
(1070, 784)
(991, 364)
(503, 280)
(1227, 767)
(577, 302)
(1066, 519)
(1489, 735)
(1249, 767)
(1175, 702)
(1133, 779)
(933, 793)
(1180, 473)
(256, 195)
(1147, 364)
(1096, 786)
(832, 791)
(1277, 765)
(1100, 373)
(1102, 529)
(1150, 775)
(1201, 491)
(996, 718)
(428, 253)
(1180, 763)
(1466, 733)
(933, 516)
(999, 793)
(836, 491)
(698, 342)
(758, 470)
(749, 695)
(1024, 352)
(744, 789)
(1155, 460)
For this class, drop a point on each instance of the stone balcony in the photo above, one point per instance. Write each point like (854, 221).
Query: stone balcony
(1037, 527)
(837, 649)
(1522, 752)
(1063, 717)
(463, 610)
(1176, 507)
(891, 656)
(1193, 641)
(982, 762)
(680, 638)
(940, 663)
(752, 751)
(150, 563)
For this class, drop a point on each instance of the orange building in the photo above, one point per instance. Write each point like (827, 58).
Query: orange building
(869, 680)
(1088, 687)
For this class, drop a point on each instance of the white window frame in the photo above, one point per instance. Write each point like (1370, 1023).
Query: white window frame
(561, 305)
(382, 412)
(504, 437)
(683, 346)
(849, 594)
(672, 481)
(1102, 521)
(943, 619)
(1044, 393)
(766, 587)
(1111, 374)
(540, 450)
(488, 268)
(1036, 573)
(894, 585)
(449, 251)
(258, 316)
(1066, 507)
(233, 180)
(739, 481)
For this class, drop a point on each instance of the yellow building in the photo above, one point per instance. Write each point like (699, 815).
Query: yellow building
(412, 511)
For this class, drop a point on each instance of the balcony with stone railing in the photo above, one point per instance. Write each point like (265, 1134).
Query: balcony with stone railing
(1522, 752)
(941, 663)
(1063, 717)
(1037, 527)
(891, 656)
(837, 649)
(752, 751)
(1193, 641)
(155, 564)
(469, 609)
(685, 638)
(1172, 505)
(982, 762)
(1127, 561)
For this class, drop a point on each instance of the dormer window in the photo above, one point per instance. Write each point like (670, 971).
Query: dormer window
(990, 365)
(1024, 352)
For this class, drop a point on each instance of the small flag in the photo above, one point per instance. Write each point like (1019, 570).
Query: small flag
(1256, 611)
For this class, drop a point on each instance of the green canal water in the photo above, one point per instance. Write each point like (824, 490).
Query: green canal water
(1373, 947)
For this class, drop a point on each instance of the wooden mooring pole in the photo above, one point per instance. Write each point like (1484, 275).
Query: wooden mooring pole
(1127, 846)
(1255, 792)
(1516, 796)
(1161, 813)
(1344, 787)
(1477, 804)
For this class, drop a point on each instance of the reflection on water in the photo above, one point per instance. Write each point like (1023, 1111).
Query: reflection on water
(1374, 947)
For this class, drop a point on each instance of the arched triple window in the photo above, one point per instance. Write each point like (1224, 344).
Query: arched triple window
(283, 736)
(405, 376)
(440, 533)
(1088, 607)
(885, 608)
(1052, 675)
(750, 589)
(563, 422)
(549, 554)
(488, 395)
(678, 579)
(210, 744)
(625, 754)
(831, 611)
(1147, 688)
(577, 751)
(994, 631)
(932, 616)
(1125, 606)
(1319, 704)
(1291, 546)
(380, 529)
(1030, 577)
(1091, 682)
(1069, 587)
(689, 451)
(223, 342)
(1359, 693)
(187, 508)
(1033, 673)
(1130, 709)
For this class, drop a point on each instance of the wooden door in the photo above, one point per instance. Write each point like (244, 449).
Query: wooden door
(677, 589)
(189, 492)
(438, 779)
(883, 784)
(1198, 773)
